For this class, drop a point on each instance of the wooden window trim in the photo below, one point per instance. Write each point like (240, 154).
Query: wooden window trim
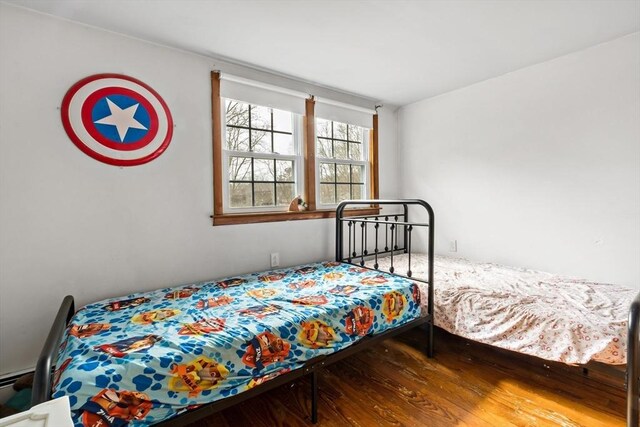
(309, 196)
(373, 159)
(310, 153)
(257, 217)
(216, 120)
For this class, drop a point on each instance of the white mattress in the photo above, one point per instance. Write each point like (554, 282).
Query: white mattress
(541, 314)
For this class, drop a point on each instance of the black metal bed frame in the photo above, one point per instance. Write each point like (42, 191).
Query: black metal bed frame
(392, 223)
(633, 364)
(45, 364)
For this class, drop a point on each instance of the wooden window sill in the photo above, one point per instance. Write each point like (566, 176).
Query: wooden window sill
(251, 218)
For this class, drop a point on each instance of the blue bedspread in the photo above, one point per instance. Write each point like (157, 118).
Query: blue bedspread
(146, 357)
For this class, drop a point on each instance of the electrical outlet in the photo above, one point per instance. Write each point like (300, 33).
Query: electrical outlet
(275, 259)
(453, 246)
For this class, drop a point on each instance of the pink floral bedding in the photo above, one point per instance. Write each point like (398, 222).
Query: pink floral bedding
(540, 314)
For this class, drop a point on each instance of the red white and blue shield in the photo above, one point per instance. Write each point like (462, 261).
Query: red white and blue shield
(117, 119)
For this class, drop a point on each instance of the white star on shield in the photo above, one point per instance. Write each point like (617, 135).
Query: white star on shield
(122, 119)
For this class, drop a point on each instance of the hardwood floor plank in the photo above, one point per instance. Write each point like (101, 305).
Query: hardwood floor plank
(465, 384)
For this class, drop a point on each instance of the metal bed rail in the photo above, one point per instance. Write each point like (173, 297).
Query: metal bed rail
(633, 364)
(387, 229)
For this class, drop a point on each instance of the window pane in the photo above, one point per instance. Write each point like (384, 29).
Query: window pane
(240, 169)
(355, 151)
(282, 121)
(340, 150)
(260, 117)
(284, 170)
(284, 194)
(264, 194)
(324, 148)
(323, 128)
(254, 181)
(342, 173)
(339, 130)
(260, 141)
(357, 174)
(357, 191)
(355, 133)
(327, 172)
(240, 195)
(344, 192)
(283, 143)
(263, 170)
(327, 194)
(237, 139)
(236, 113)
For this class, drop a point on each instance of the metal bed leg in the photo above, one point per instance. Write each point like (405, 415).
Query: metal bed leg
(633, 364)
(314, 397)
(430, 344)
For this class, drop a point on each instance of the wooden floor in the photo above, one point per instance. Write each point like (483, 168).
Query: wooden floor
(464, 384)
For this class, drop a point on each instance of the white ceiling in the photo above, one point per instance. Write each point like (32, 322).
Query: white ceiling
(395, 51)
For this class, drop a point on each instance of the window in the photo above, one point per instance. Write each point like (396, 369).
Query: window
(342, 156)
(268, 148)
(261, 155)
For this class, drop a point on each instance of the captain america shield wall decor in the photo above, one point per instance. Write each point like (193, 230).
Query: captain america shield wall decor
(117, 119)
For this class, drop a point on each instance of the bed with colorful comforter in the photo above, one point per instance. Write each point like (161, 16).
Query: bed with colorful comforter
(147, 357)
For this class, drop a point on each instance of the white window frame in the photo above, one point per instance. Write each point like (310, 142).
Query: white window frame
(364, 162)
(297, 157)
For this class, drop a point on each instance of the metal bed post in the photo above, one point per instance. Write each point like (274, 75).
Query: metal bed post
(406, 219)
(633, 364)
(339, 227)
(430, 309)
(42, 376)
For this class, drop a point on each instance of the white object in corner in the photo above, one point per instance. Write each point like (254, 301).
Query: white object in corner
(54, 413)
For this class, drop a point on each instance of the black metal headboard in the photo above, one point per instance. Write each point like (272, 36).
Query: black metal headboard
(391, 224)
(386, 233)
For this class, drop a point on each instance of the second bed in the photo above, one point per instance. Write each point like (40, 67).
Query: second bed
(550, 316)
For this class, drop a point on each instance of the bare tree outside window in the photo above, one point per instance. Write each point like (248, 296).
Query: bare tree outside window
(339, 147)
(255, 138)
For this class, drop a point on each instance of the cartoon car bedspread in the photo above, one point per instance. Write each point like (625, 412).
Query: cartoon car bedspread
(149, 356)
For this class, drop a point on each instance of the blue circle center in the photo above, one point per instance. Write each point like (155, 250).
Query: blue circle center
(102, 110)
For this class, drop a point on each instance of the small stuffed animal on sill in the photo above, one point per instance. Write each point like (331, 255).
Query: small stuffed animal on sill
(297, 204)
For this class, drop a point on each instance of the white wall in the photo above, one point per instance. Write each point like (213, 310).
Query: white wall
(72, 225)
(537, 168)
